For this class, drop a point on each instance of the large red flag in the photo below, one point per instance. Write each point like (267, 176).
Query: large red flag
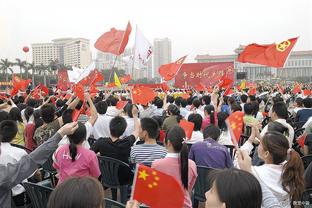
(225, 82)
(20, 84)
(114, 41)
(157, 189)
(63, 81)
(168, 71)
(142, 95)
(235, 125)
(274, 55)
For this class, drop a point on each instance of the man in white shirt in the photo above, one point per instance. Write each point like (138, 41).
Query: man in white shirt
(280, 114)
(9, 153)
(101, 126)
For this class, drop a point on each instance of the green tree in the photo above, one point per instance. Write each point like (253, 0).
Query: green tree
(5, 65)
(22, 65)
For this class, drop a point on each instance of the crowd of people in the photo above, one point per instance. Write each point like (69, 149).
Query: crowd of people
(266, 171)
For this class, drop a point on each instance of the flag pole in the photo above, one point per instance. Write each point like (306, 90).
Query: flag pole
(133, 58)
(110, 76)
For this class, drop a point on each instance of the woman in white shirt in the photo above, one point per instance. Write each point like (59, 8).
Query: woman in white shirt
(197, 135)
(282, 171)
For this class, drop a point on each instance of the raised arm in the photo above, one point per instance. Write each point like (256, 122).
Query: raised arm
(93, 111)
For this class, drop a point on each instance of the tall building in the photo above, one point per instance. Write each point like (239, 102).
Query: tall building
(298, 66)
(43, 53)
(161, 54)
(105, 61)
(68, 51)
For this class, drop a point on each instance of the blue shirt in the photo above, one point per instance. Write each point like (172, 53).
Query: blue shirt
(210, 153)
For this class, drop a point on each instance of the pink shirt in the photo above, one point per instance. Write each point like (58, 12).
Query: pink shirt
(170, 165)
(206, 121)
(86, 163)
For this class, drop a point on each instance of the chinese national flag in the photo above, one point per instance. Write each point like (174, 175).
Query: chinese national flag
(142, 95)
(79, 90)
(63, 81)
(301, 139)
(13, 91)
(121, 104)
(235, 125)
(114, 41)
(225, 82)
(273, 55)
(157, 189)
(228, 92)
(19, 83)
(125, 79)
(185, 96)
(93, 77)
(76, 114)
(168, 71)
(297, 88)
(93, 90)
(187, 127)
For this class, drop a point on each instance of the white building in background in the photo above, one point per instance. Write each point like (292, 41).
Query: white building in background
(42, 53)
(68, 51)
(298, 66)
(161, 54)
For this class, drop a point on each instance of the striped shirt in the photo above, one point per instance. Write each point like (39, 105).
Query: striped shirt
(147, 153)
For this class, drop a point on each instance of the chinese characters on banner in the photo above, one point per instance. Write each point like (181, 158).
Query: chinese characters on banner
(207, 74)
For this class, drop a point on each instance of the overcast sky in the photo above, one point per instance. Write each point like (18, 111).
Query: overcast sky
(194, 27)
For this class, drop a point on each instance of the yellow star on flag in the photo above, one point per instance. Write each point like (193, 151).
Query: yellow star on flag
(143, 175)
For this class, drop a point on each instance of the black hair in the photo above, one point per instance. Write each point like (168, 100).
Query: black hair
(226, 182)
(76, 138)
(78, 192)
(222, 116)
(159, 103)
(117, 126)
(129, 108)
(28, 113)
(151, 127)
(299, 101)
(255, 106)
(211, 112)
(307, 103)
(196, 103)
(176, 136)
(8, 130)
(4, 115)
(159, 120)
(206, 99)
(276, 126)
(175, 111)
(236, 107)
(248, 109)
(244, 98)
(170, 99)
(212, 132)
(178, 101)
(196, 119)
(183, 103)
(101, 107)
(280, 109)
(47, 113)
(59, 103)
(15, 114)
(37, 119)
(252, 98)
(67, 116)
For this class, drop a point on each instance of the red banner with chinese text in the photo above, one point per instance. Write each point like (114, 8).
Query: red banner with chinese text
(207, 74)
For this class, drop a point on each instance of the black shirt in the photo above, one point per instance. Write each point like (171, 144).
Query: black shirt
(119, 149)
